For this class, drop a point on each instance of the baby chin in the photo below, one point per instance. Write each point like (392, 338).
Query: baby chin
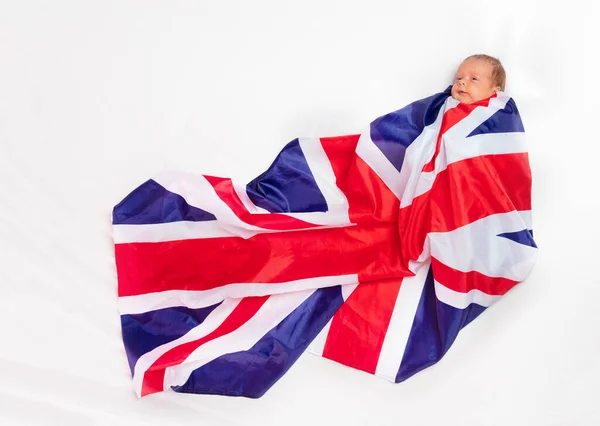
(462, 96)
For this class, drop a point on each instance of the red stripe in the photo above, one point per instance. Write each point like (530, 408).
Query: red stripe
(359, 327)
(482, 186)
(203, 264)
(341, 152)
(154, 377)
(464, 282)
(274, 221)
(451, 117)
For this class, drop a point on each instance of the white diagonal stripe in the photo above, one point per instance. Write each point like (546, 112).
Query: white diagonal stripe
(401, 323)
(211, 322)
(271, 313)
(322, 171)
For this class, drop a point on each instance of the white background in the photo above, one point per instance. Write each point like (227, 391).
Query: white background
(98, 96)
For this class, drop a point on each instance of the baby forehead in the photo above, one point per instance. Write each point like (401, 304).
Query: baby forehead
(475, 66)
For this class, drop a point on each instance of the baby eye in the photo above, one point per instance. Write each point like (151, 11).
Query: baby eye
(475, 79)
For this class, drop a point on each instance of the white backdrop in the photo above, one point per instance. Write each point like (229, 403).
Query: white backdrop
(98, 96)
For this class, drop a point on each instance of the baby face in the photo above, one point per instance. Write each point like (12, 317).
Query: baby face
(473, 81)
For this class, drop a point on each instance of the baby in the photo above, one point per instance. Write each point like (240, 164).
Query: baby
(478, 78)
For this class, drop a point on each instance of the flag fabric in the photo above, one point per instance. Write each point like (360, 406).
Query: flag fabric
(372, 250)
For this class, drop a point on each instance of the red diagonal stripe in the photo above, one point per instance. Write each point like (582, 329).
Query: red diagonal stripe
(464, 282)
(369, 199)
(155, 375)
(450, 118)
(275, 221)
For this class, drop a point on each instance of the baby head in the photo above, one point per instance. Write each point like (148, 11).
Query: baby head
(478, 77)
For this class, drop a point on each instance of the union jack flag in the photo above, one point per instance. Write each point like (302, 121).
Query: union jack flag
(372, 250)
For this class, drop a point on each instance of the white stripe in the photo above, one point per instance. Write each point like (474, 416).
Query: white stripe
(318, 344)
(419, 153)
(378, 162)
(187, 230)
(333, 219)
(212, 321)
(173, 231)
(463, 300)
(322, 171)
(525, 215)
(476, 247)
(348, 289)
(274, 310)
(200, 299)
(527, 218)
(401, 323)
(485, 144)
(198, 192)
(240, 190)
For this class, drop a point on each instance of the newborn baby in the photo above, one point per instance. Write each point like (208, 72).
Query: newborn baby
(478, 77)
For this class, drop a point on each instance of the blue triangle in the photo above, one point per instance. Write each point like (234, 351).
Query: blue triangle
(506, 120)
(524, 237)
(151, 203)
(288, 185)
